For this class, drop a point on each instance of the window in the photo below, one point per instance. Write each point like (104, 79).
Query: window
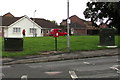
(33, 30)
(16, 30)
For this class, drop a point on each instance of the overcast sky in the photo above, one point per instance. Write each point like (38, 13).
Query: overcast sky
(47, 9)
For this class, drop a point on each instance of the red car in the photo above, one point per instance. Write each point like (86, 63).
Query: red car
(57, 32)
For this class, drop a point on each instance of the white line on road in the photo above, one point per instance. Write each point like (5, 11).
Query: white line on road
(73, 75)
(118, 72)
(53, 73)
(86, 62)
(35, 66)
(24, 77)
(2, 75)
(5, 66)
(115, 67)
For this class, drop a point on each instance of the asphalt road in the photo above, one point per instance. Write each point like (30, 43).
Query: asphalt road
(99, 67)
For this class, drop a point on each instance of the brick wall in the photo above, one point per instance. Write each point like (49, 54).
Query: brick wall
(80, 32)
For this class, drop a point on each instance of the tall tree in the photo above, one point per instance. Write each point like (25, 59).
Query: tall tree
(104, 12)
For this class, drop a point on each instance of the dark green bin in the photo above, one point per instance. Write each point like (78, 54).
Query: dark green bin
(13, 44)
(107, 37)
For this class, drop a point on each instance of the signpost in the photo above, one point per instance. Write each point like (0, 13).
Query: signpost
(55, 33)
(55, 43)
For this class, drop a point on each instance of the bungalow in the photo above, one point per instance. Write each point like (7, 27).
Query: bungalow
(13, 26)
(79, 26)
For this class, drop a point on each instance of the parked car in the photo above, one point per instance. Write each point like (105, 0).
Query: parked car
(57, 32)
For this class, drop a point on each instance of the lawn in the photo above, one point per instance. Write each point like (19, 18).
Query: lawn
(36, 45)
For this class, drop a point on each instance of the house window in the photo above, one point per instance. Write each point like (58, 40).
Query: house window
(16, 30)
(33, 30)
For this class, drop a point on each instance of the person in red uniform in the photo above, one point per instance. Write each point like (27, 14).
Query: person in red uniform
(23, 32)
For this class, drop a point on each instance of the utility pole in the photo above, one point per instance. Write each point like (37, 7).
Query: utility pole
(33, 23)
(68, 27)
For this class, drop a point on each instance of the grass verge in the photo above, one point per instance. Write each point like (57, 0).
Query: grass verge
(36, 45)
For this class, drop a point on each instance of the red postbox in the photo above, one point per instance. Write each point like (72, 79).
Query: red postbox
(56, 33)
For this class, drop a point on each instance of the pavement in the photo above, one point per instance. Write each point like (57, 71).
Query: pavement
(58, 55)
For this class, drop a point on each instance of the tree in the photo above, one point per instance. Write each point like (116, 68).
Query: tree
(53, 21)
(104, 12)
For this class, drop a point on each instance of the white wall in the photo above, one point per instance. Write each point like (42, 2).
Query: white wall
(26, 24)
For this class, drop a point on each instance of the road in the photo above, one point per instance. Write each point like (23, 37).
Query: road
(99, 67)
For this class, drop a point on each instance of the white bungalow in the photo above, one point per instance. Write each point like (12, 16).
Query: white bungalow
(13, 26)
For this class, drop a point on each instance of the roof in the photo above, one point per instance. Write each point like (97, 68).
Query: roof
(9, 19)
(77, 22)
(6, 21)
(8, 15)
(44, 23)
(75, 19)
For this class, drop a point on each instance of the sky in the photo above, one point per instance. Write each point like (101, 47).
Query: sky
(47, 9)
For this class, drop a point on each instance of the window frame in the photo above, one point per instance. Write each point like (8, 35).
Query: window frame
(32, 30)
(16, 30)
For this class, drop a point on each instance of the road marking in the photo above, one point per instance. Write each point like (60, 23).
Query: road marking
(86, 62)
(115, 67)
(5, 66)
(73, 75)
(118, 72)
(35, 66)
(2, 75)
(53, 73)
(24, 77)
